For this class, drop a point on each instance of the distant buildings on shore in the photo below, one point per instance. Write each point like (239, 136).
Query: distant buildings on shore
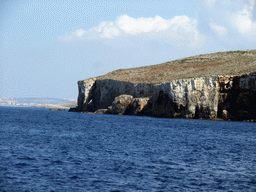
(30, 102)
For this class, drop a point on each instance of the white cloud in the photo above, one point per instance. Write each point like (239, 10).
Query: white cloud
(232, 19)
(141, 25)
(243, 21)
(220, 30)
(180, 29)
(79, 32)
(234, 15)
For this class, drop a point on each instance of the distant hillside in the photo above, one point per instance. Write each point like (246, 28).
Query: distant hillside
(221, 63)
(39, 102)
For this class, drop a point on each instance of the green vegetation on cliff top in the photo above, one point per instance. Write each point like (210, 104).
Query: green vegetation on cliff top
(221, 63)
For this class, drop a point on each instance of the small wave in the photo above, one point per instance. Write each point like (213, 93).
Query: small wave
(136, 156)
(92, 154)
(74, 177)
(21, 165)
(26, 158)
(57, 162)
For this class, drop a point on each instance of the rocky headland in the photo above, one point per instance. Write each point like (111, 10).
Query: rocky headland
(212, 86)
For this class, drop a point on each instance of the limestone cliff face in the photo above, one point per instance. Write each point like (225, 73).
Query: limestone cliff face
(189, 98)
(99, 94)
(227, 97)
(84, 93)
(237, 97)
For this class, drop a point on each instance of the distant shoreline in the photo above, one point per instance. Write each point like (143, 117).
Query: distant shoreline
(46, 106)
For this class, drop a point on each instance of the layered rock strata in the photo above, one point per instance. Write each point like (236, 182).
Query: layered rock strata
(226, 97)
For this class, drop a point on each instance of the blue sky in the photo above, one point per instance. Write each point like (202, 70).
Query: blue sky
(47, 46)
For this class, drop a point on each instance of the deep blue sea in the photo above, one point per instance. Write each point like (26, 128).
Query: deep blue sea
(41, 150)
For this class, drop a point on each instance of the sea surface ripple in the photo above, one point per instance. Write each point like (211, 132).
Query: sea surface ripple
(42, 150)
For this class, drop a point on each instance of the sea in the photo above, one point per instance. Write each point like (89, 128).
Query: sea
(42, 150)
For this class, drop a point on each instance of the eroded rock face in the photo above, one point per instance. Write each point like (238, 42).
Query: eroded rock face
(105, 91)
(101, 111)
(237, 97)
(189, 98)
(139, 106)
(120, 104)
(85, 88)
(227, 97)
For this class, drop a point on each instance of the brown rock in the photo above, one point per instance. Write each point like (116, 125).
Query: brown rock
(101, 111)
(120, 104)
(225, 115)
(177, 115)
(138, 106)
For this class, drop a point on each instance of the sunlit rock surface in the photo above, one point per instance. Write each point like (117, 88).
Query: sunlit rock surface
(226, 97)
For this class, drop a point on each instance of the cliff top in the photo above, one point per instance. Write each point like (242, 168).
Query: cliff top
(221, 63)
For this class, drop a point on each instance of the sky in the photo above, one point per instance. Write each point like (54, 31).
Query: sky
(46, 46)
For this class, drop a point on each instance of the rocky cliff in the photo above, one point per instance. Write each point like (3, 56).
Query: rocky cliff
(226, 97)
(219, 96)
